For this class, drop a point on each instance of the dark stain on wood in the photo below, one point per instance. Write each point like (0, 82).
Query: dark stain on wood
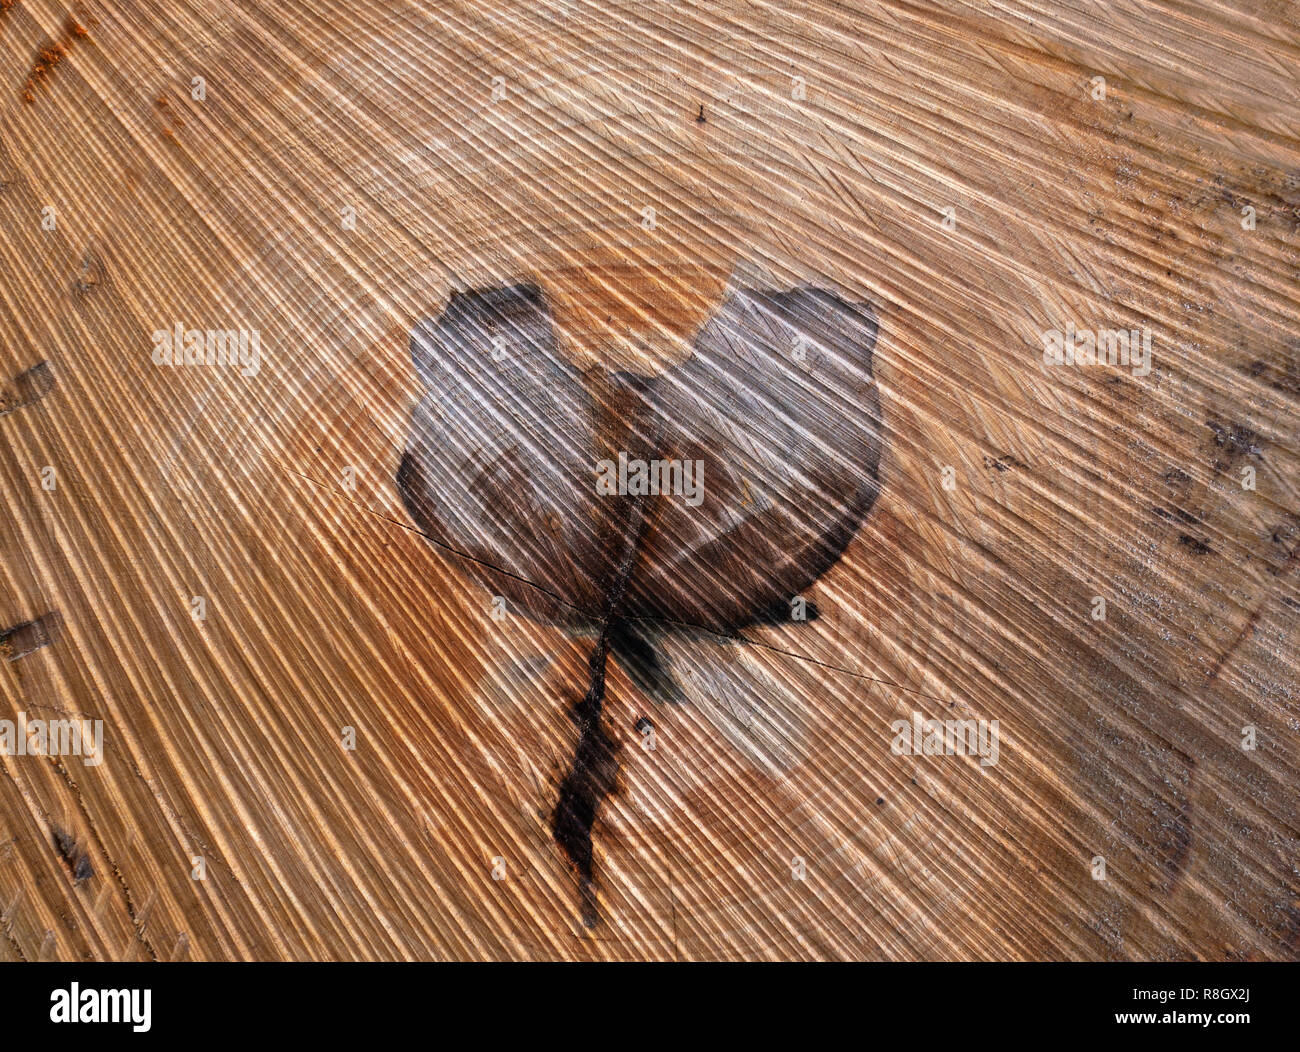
(1176, 515)
(74, 855)
(1004, 462)
(1233, 442)
(21, 640)
(27, 387)
(777, 411)
(90, 275)
(592, 776)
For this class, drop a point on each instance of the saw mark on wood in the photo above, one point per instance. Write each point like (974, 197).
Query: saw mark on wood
(137, 918)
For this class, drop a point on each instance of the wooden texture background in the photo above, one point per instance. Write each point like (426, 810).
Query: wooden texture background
(326, 610)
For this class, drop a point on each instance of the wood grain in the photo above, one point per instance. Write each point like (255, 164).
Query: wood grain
(834, 137)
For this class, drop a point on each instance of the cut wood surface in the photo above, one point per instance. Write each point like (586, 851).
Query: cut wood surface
(321, 740)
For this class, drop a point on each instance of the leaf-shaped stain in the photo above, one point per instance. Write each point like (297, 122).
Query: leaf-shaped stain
(777, 407)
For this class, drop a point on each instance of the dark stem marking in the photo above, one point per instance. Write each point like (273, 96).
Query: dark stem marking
(588, 782)
(595, 767)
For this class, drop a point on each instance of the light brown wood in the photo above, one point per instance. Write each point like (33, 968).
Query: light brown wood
(834, 137)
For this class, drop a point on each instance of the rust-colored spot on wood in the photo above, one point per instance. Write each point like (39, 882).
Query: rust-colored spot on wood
(171, 118)
(51, 53)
